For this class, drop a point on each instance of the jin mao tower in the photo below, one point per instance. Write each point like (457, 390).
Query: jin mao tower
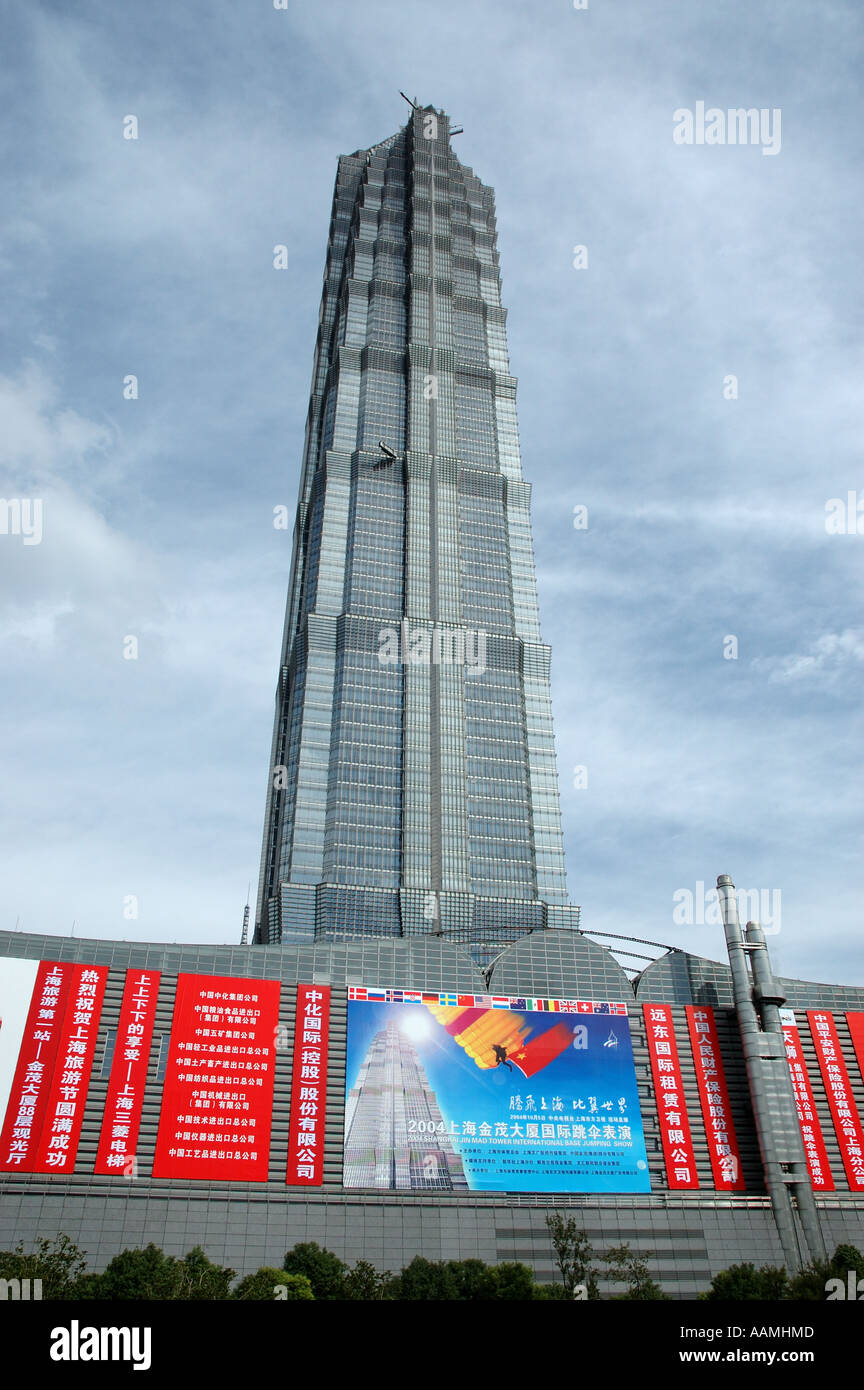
(413, 786)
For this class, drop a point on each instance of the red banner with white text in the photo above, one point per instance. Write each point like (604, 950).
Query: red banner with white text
(821, 1179)
(309, 1087)
(669, 1092)
(58, 1143)
(856, 1031)
(714, 1099)
(28, 1097)
(124, 1101)
(218, 1097)
(847, 1124)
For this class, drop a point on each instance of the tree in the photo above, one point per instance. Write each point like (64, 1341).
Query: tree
(810, 1284)
(626, 1266)
(573, 1255)
(746, 1283)
(324, 1270)
(426, 1280)
(59, 1264)
(364, 1283)
(198, 1278)
(273, 1284)
(512, 1280)
(474, 1280)
(137, 1274)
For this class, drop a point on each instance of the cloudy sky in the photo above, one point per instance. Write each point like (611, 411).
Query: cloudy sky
(145, 778)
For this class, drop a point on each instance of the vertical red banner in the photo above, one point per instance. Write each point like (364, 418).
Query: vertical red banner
(821, 1179)
(125, 1098)
(847, 1124)
(669, 1090)
(714, 1099)
(28, 1098)
(58, 1144)
(217, 1102)
(856, 1030)
(309, 1087)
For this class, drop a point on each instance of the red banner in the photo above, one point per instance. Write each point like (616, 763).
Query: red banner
(714, 1098)
(856, 1030)
(847, 1124)
(309, 1087)
(28, 1098)
(125, 1098)
(218, 1097)
(821, 1179)
(669, 1090)
(58, 1143)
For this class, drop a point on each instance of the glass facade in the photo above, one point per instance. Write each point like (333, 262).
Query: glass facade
(413, 786)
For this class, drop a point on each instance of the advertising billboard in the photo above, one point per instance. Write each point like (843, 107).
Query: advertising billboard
(675, 1133)
(714, 1099)
(309, 1087)
(844, 1113)
(58, 1145)
(808, 1119)
(37, 1048)
(125, 1099)
(17, 979)
(463, 1092)
(218, 1097)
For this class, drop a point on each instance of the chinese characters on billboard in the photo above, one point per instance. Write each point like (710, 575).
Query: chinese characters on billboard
(125, 1098)
(808, 1120)
(669, 1092)
(714, 1099)
(471, 1092)
(37, 1049)
(847, 1125)
(218, 1095)
(309, 1087)
(46, 1100)
(62, 1129)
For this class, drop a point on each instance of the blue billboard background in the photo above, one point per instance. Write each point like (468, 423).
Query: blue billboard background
(572, 1125)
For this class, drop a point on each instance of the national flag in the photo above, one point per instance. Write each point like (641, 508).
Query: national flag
(429, 998)
(355, 992)
(499, 1002)
(377, 994)
(583, 1007)
(537, 1054)
(517, 1004)
(466, 1001)
(396, 996)
(601, 1009)
(412, 996)
(448, 1001)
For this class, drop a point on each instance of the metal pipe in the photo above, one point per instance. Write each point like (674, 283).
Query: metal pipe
(780, 1143)
(769, 999)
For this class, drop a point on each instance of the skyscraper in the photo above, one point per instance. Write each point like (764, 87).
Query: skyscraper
(395, 1136)
(413, 786)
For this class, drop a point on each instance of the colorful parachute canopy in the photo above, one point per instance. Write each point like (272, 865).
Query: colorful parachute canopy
(481, 1031)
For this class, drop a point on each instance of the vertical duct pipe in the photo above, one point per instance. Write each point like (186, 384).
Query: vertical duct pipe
(780, 1143)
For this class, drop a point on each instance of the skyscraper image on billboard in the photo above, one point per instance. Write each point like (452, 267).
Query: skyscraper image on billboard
(462, 1092)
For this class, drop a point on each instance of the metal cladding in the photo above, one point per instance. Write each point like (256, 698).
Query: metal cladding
(413, 787)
